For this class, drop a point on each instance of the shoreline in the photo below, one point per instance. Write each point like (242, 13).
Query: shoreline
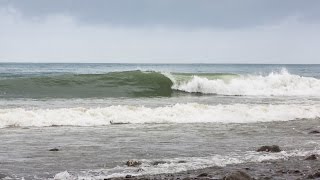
(292, 168)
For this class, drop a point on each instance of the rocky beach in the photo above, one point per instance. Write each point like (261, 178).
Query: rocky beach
(295, 168)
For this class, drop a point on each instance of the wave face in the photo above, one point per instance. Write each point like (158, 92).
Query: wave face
(179, 113)
(153, 84)
(113, 84)
(274, 84)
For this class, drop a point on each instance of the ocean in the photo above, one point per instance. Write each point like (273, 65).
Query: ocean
(182, 116)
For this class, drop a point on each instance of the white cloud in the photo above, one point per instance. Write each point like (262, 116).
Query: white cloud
(59, 38)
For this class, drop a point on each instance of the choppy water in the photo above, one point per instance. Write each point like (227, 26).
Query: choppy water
(100, 115)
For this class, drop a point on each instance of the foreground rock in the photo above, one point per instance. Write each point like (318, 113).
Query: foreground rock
(314, 132)
(54, 149)
(2, 176)
(133, 163)
(273, 148)
(314, 176)
(312, 157)
(238, 175)
(292, 168)
(158, 162)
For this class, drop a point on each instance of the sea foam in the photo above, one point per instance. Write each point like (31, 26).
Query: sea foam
(178, 113)
(275, 84)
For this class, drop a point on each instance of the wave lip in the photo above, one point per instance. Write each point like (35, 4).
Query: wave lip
(274, 84)
(179, 113)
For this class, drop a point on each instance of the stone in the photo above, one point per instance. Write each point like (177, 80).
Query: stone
(314, 132)
(182, 161)
(128, 176)
(203, 175)
(314, 176)
(158, 162)
(238, 175)
(2, 176)
(311, 157)
(133, 163)
(54, 149)
(273, 148)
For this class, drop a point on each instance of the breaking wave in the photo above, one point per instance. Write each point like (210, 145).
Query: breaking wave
(274, 84)
(154, 84)
(179, 113)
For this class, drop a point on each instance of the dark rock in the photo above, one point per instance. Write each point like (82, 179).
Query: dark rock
(158, 162)
(187, 178)
(182, 161)
(2, 176)
(203, 175)
(273, 148)
(238, 175)
(129, 176)
(314, 132)
(54, 149)
(314, 176)
(140, 170)
(133, 163)
(294, 171)
(311, 157)
(118, 123)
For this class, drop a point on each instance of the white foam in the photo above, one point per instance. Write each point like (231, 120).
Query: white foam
(178, 113)
(274, 84)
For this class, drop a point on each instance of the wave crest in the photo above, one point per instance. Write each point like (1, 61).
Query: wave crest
(274, 84)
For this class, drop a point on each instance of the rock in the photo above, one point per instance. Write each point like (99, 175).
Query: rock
(182, 161)
(314, 132)
(54, 149)
(294, 171)
(133, 163)
(203, 175)
(158, 162)
(273, 148)
(118, 123)
(128, 176)
(2, 176)
(238, 175)
(311, 157)
(314, 176)
(140, 170)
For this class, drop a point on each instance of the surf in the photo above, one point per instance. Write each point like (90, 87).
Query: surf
(136, 84)
(171, 114)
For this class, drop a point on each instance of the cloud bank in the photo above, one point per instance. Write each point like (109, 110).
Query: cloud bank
(61, 37)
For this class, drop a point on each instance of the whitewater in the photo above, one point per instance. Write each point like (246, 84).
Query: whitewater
(274, 84)
(179, 113)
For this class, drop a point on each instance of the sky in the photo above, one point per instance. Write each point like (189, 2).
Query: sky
(160, 31)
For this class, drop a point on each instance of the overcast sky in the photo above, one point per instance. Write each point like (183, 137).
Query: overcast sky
(160, 31)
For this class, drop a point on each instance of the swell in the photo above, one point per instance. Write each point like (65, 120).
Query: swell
(178, 113)
(153, 84)
(113, 84)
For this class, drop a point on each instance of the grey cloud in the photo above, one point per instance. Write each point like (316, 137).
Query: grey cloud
(173, 13)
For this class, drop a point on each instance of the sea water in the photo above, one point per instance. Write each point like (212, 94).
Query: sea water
(189, 116)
